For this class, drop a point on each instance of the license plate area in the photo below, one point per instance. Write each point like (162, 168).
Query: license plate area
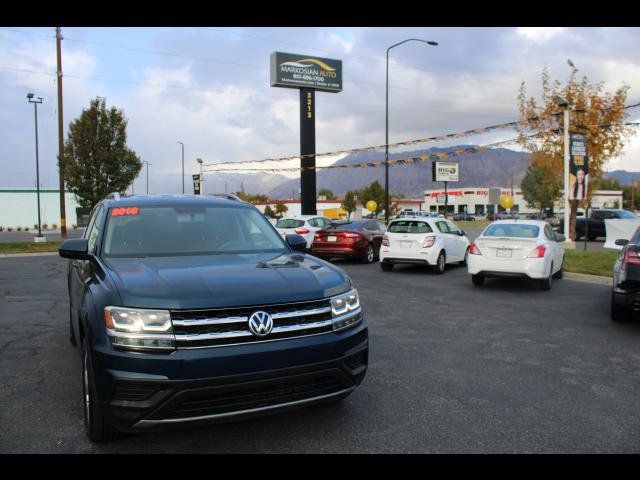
(332, 238)
(503, 252)
(405, 244)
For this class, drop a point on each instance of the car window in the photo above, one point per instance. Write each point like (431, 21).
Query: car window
(626, 214)
(516, 230)
(549, 233)
(92, 220)
(344, 226)
(442, 226)
(453, 228)
(96, 228)
(188, 230)
(289, 223)
(409, 226)
(381, 226)
(636, 238)
(313, 222)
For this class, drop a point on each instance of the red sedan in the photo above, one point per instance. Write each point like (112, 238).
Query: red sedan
(359, 239)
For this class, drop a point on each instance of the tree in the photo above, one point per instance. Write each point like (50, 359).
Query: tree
(96, 158)
(268, 212)
(328, 194)
(374, 192)
(281, 209)
(247, 197)
(349, 201)
(597, 114)
(540, 186)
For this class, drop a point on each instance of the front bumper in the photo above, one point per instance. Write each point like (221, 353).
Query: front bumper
(141, 391)
(536, 268)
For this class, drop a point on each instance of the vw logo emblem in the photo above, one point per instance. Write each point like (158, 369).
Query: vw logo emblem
(260, 324)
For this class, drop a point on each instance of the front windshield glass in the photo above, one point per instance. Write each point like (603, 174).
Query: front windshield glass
(627, 214)
(188, 230)
(516, 230)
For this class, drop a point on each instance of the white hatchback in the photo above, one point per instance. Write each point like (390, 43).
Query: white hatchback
(423, 240)
(305, 225)
(517, 249)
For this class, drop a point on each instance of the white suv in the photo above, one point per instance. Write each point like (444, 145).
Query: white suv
(305, 225)
(426, 241)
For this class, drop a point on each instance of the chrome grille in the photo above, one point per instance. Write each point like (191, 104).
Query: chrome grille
(217, 327)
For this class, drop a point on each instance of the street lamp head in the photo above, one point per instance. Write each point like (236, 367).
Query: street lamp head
(431, 42)
(29, 95)
(199, 160)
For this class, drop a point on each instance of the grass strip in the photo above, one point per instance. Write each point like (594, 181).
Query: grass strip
(592, 263)
(29, 247)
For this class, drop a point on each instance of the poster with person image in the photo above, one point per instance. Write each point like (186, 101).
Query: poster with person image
(578, 167)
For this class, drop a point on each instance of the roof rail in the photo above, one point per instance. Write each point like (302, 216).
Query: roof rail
(116, 195)
(228, 196)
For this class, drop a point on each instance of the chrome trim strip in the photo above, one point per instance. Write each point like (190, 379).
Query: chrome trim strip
(141, 336)
(152, 423)
(301, 326)
(210, 321)
(300, 313)
(180, 347)
(190, 337)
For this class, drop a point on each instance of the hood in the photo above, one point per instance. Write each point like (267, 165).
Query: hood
(224, 281)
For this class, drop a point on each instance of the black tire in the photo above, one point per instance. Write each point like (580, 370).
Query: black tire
(477, 280)
(96, 425)
(592, 238)
(370, 255)
(386, 266)
(441, 264)
(72, 335)
(466, 258)
(618, 313)
(560, 273)
(545, 284)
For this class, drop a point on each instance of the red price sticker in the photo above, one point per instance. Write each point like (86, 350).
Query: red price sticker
(118, 212)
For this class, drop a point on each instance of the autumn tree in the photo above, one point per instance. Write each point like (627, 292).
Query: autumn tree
(349, 202)
(281, 209)
(597, 114)
(540, 186)
(268, 212)
(247, 197)
(96, 158)
(328, 194)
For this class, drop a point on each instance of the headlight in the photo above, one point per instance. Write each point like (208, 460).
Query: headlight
(139, 328)
(345, 310)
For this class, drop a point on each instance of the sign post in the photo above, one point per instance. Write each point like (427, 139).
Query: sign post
(445, 172)
(308, 74)
(196, 184)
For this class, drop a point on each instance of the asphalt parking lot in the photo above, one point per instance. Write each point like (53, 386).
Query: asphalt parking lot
(505, 368)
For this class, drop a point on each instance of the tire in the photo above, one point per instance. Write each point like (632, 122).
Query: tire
(96, 425)
(560, 273)
(72, 335)
(477, 280)
(370, 255)
(592, 238)
(386, 266)
(441, 264)
(546, 283)
(618, 313)
(466, 258)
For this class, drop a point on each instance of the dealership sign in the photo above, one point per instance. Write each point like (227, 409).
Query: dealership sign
(444, 171)
(291, 70)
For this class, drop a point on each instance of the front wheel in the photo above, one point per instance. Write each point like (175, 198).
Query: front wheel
(440, 264)
(369, 255)
(96, 425)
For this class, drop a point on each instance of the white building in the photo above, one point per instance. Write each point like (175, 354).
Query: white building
(475, 200)
(19, 208)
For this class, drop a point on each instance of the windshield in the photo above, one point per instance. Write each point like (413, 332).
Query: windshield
(289, 223)
(516, 230)
(188, 230)
(409, 226)
(627, 214)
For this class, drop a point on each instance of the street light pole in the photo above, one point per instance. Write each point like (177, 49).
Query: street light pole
(564, 104)
(182, 144)
(147, 164)
(386, 127)
(199, 160)
(35, 110)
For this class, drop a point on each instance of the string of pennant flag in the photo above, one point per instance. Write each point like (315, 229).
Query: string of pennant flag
(212, 167)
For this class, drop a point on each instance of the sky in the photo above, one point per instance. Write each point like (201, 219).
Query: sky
(209, 88)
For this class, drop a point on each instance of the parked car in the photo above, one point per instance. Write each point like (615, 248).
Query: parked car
(427, 241)
(499, 216)
(304, 225)
(593, 225)
(625, 294)
(522, 249)
(193, 309)
(358, 239)
(465, 217)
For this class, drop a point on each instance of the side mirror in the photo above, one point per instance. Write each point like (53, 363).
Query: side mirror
(621, 242)
(462, 233)
(75, 248)
(560, 238)
(296, 242)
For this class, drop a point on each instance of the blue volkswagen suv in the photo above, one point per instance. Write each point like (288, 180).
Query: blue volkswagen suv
(193, 309)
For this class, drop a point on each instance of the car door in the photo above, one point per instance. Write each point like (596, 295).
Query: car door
(446, 238)
(551, 242)
(458, 240)
(371, 230)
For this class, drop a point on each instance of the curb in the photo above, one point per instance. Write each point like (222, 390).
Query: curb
(34, 254)
(583, 277)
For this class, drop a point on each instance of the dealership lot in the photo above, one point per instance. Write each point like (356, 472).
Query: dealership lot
(453, 368)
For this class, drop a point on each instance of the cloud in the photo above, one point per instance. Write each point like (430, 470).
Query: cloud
(540, 34)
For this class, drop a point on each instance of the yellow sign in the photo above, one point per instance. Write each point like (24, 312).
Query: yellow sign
(371, 206)
(506, 201)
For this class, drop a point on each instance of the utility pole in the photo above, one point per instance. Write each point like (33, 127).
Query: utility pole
(147, 164)
(182, 144)
(63, 214)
